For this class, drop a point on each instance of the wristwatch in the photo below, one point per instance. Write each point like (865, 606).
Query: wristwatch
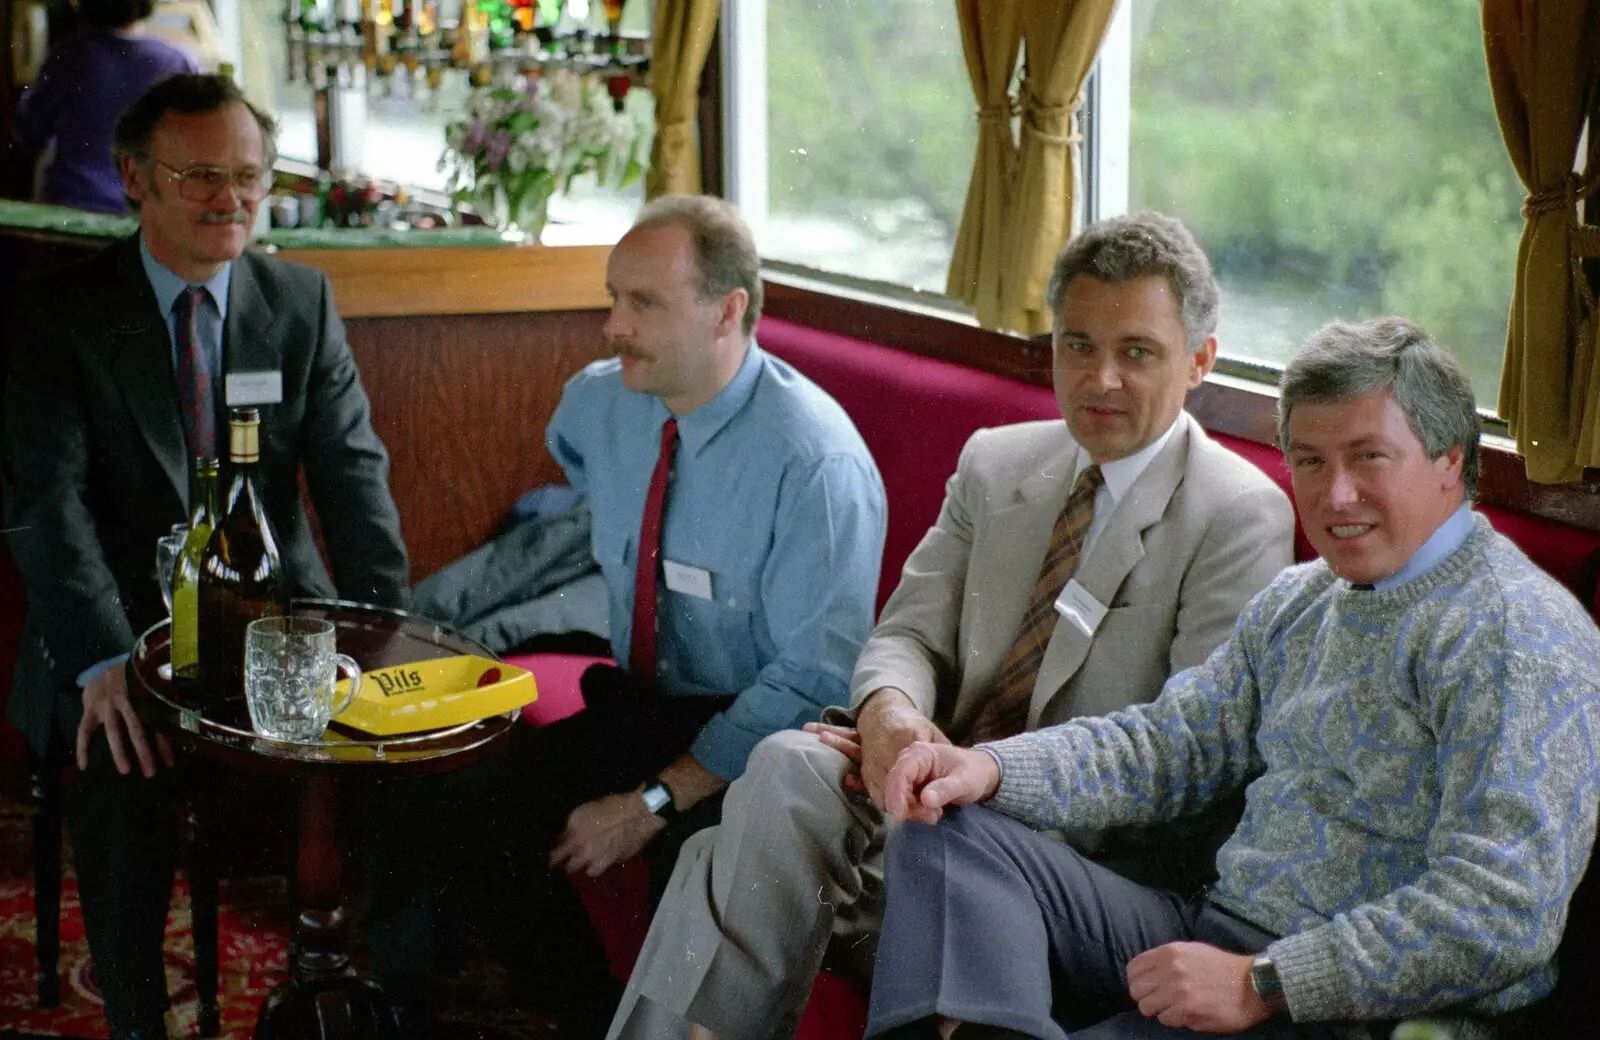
(1264, 980)
(658, 800)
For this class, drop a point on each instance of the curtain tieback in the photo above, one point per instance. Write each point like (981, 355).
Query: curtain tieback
(996, 113)
(1038, 114)
(1573, 190)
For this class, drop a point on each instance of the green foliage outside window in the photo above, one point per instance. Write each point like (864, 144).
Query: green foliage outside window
(1339, 158)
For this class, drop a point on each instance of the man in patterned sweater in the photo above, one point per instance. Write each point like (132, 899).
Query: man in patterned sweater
(1412, 718)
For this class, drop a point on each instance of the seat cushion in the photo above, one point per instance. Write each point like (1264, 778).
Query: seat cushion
(915, 414)
(555, 676)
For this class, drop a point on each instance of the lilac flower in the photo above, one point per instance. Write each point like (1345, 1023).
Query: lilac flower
(499, 144)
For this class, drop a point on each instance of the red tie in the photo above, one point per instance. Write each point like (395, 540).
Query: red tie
(194, 376)
(647, 561)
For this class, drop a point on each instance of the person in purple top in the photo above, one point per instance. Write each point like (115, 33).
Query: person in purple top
(85, 83)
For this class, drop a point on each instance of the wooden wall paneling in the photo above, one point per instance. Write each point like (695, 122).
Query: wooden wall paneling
(369, 283)
(462, 403)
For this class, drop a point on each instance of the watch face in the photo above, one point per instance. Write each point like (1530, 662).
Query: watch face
(657, 797)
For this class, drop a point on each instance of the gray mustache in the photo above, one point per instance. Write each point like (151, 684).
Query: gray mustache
(224, 218)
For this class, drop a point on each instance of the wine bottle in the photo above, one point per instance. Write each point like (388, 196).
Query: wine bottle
(186, 572)
(241, 576)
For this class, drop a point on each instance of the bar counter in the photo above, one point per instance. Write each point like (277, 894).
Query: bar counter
(463, 340)
(378, 273)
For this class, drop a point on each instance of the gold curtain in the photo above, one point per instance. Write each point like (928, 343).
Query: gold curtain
(1062, 38)
(680, 41)
(1543, 61)
(989, 39)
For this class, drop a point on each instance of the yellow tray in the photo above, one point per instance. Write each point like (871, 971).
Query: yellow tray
(447, 691)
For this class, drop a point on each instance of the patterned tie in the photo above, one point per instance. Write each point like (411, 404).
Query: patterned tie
(194, 376)
(1006, 711)
(647, 562)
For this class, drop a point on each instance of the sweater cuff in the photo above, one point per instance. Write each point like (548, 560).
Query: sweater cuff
(1022, 777)
(1314, 986)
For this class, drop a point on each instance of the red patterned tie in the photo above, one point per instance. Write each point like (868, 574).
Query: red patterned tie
(647, 561)
(194, 376)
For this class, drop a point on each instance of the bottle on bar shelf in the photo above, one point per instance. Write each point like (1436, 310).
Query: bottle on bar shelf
(241, 575)
(186, 572)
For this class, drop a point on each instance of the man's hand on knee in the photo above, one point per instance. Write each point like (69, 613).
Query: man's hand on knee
(927, 777)
(106, 706)
(888, 723)
(1191, 985)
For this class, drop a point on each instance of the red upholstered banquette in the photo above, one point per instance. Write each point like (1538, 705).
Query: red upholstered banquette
(915, 413)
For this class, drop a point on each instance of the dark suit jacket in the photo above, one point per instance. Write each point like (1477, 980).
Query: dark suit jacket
(95, 463)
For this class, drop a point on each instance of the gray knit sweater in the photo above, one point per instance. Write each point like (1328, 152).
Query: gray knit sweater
(1422, 771)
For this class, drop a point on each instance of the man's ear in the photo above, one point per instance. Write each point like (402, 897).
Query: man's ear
(129, 168)
(731, 318)
(1451, 464)
(1205, 356)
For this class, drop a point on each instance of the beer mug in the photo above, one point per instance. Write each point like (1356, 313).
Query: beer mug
(291, 668)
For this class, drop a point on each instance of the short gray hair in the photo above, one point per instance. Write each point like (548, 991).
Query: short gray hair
(724, 249)
(1343, 361)
(1121, 249)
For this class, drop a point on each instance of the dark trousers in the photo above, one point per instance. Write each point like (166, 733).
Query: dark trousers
(123, 833)
(473, 846)
(989, 922)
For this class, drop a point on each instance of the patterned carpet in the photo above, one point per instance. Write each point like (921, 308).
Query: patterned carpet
(253, 954)
(475, 1004)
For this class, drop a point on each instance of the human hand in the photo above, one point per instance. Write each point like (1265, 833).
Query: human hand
(604, 832)
(1189, 985)
(106, 706)
(927, 777)
(846, 741)
(887, 724)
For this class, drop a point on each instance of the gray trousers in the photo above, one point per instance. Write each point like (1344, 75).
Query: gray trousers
(753, 904)
(990, 922)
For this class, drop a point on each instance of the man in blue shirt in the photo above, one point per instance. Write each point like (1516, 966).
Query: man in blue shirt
(769, 551)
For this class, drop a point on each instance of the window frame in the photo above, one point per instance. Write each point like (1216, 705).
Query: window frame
(1105, 162)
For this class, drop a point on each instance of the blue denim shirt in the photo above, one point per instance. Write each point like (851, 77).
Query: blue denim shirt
(775, 495)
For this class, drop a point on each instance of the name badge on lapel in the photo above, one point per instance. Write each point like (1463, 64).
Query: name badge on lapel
(242, 388)
(1079, 607)
(691, 581)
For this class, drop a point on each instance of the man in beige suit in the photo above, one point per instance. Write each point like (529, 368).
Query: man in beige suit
(1073, 568)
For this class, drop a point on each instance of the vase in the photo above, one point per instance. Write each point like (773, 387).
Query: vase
(519, 217)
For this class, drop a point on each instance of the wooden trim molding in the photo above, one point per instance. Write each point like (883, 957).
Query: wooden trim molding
(1225, 404)
(389, 283)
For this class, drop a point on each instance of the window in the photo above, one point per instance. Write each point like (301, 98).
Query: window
(1338, 159)
(396, 125)
(869, 134)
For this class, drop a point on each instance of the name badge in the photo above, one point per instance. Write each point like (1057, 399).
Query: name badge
(1077, 606)
(691, 581)
(253, 388)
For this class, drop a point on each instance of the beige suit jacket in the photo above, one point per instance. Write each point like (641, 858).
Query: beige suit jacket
(1200, 532)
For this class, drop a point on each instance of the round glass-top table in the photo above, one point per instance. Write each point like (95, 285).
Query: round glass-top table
(324, 996)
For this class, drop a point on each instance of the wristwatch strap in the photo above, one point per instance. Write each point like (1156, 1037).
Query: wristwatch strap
(658, 800)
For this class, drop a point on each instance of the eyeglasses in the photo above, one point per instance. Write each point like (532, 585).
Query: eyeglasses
(204, 183)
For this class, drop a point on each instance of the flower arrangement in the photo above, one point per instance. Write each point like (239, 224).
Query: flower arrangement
(516, 146)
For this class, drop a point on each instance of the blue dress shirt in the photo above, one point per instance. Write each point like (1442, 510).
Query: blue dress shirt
(213, 313)
(1445, 539)
(774, 496)
(211, 319)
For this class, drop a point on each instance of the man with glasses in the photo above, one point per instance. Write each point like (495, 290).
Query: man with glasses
(123, 369)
